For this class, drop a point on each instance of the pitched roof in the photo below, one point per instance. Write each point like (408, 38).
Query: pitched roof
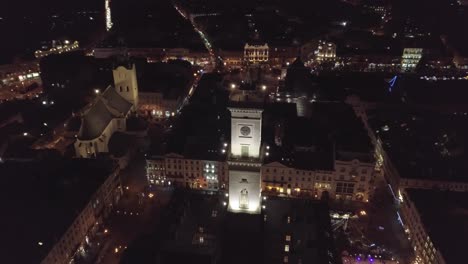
(95, 121)
(116, 101)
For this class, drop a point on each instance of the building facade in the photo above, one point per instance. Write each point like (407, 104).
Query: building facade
(245, 174)
(424, 249)
(350, 180)
(410, 58)
(175, 169)
(256, 53)
(87, 222)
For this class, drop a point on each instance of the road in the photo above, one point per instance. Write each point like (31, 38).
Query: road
(203, 36)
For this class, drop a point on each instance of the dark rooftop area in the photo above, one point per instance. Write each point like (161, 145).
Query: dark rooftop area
(444, 215)
(51, 194)
(308, 225)
(332, 130)
(172, 78)
(424, 144)
(203, 125)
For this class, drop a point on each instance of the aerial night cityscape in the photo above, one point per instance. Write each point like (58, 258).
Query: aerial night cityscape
(229, 132)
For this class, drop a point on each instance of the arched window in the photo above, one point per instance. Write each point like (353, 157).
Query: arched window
(120, 88)
(244, 199)
(128, 89)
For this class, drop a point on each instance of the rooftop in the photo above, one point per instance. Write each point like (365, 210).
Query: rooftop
(48, 197)
(116, 101)
(172, 79)
(95, 121)
(444, 215)
(424, 144)
(331, 131)
(197, 236)
(307, 223)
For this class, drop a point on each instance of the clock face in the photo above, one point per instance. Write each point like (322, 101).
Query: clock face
(245, 130)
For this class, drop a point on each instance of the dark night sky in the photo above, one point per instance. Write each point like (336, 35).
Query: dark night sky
(31, 7)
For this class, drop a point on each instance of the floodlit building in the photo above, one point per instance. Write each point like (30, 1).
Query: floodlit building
(56, 47)
(410, 58)
(290, 158)
(254, 53)
(108, 113)
(107, 9)
(325, 50)
(244, 160)
(318, 50)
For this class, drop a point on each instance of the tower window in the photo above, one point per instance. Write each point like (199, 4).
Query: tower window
(128, 89)
(120, 88)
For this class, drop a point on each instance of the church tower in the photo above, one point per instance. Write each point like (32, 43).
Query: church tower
(244, 160)
(125, 83)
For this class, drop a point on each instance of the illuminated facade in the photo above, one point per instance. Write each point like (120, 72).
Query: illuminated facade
(66, 46)
(350, 180)
(318, 51)
(256, 53)
(246, 130)
(176, 170)
(325, 50)
(410, 58)
(424, 249)
(244, 162)
(157, 106)
(107, 114)
(109, 23)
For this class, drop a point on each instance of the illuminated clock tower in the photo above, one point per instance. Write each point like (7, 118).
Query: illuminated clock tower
(244, 161)
(246, 132)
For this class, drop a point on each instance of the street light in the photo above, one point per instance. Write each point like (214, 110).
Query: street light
(233, 86)
(264, 87)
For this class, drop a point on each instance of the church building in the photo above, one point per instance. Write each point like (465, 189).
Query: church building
(108, 113)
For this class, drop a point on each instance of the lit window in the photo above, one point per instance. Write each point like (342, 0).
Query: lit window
(286, 248)
(285, 259)
(288, 238)
(289, 219)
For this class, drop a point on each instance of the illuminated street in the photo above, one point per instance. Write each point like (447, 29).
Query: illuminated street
(136, 214)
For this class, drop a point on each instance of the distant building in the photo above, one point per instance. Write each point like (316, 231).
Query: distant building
(410, 59)
(56, 47)
(436, 224)
(378, 7)
(318, 51)
(325, 50)
(107, 9)
(108, 113)
(256, 53)
(164, 88)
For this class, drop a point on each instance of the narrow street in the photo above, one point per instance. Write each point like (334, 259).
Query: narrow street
(136, 214)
